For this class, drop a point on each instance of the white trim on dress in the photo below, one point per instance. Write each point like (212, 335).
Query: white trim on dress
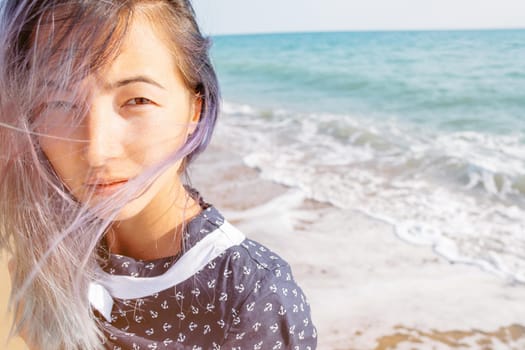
(107, 286)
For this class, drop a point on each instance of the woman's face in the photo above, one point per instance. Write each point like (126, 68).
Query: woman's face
(137, 112)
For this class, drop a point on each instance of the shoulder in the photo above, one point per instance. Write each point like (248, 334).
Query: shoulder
(273, 310)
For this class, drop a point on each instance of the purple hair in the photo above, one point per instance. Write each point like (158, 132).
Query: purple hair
(51, 237)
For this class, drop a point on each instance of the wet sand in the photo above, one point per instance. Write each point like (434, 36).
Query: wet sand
(367, 288)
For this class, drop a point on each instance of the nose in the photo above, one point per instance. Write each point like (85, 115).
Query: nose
(105, 135)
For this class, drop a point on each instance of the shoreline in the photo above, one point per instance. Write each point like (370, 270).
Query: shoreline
(368, 288)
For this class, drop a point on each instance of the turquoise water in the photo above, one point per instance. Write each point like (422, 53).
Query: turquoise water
(462, 80)
(425, 130)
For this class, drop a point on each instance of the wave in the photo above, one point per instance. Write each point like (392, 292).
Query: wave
(462, 193)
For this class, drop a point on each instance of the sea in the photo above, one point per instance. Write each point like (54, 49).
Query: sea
(424, 130)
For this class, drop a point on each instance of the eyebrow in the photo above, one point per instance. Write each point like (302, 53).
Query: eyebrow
(132, 80)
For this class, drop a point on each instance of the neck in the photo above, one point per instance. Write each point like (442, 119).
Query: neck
(156, 232)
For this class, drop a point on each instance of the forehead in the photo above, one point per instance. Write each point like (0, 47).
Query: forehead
(136, 47)
(142, 49)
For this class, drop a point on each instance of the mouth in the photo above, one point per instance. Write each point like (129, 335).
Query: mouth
(106, 188)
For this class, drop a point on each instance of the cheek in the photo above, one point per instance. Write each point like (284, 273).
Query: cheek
(65, 158)
(153, 142)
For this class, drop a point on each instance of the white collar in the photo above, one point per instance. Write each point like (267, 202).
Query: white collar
(107, 286)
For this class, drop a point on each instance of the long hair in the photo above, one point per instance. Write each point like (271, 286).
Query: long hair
(51, 236)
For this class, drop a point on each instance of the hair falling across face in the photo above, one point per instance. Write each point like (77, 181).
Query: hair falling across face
(102, 106)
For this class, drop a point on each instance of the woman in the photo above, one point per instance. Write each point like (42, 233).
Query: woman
(103, 106)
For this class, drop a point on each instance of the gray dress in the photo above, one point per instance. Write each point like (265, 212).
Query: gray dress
(245, 298)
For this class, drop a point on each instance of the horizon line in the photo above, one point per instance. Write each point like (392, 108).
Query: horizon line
(320, 31)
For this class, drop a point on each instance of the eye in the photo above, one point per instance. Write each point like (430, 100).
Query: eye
(139, 101)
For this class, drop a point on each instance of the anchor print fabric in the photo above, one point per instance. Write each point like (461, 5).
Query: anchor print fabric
(246, 298)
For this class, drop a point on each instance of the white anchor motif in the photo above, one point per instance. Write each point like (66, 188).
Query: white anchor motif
(285, 291)
(112, 336)
(262, 249)
(273, 288)
(207, 329)
(136, 347)
(150, 331)
(305, 322)
(166, 326)
(236, 255)
(181, 338)
(301, 335)
(125, 264)
(212, 265)
(164, 305)
(277, 273)
(167, 341)
(179, 295)
(294, 292)
(138, 319)
(223, 297)
(246, 270)
(152, 346)
(258, 346)
(274, 327)
(240, 288)
(134, 274)
(154, 314)
(192, 326)
(256, 326)
(216, 346)
(288, 276)
(273, 257)
(292, 329)
(268, 307)
(194, 310)
(257, 286)
(195, 347)
(196, 292)
(227, 273)
(278, 345)
(221, 323)
(181, 316)
(239, 336)
(150, 266)
(250, 306)
(211, 283)
(236, 320)
(282, 311)
(295, 308)
(210, 307)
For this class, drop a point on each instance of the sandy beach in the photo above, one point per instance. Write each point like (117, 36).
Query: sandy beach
(367, 288)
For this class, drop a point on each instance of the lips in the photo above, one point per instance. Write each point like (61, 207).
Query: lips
(105, 187)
